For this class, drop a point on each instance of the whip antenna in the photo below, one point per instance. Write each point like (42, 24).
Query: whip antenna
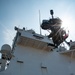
(40, 22)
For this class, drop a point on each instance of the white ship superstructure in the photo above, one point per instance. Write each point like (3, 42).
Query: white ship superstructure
(35, 54)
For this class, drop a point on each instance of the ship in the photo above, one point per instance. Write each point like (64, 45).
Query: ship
(36, 54)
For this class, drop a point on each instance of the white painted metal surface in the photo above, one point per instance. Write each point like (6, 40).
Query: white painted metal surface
(32, 56)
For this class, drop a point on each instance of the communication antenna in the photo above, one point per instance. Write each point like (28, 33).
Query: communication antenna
(51, 12)
(40, 22)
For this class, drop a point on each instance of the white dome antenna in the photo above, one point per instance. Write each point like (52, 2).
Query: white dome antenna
(6, 52)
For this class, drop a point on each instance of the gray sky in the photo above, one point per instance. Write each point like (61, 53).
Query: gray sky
(25, 13)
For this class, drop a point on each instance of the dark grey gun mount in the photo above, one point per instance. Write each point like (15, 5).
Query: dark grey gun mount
(58, 34)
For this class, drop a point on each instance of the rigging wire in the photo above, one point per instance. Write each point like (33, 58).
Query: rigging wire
(8, 33)
(7, 30)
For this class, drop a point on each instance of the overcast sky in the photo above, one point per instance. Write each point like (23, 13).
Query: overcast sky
(25, 13)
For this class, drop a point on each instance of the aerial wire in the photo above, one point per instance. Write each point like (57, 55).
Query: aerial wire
(6, 29)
